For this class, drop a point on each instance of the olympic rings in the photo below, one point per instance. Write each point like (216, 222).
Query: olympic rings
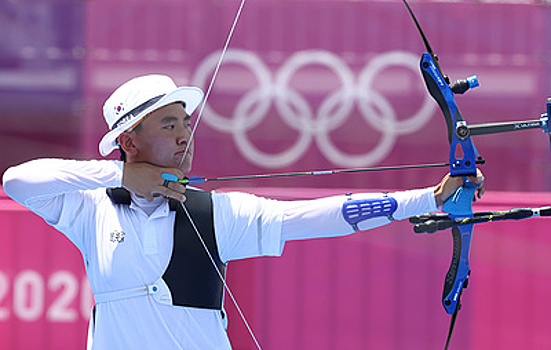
(313, 124)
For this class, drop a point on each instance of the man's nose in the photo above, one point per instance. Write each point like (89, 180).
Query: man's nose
(184, 134)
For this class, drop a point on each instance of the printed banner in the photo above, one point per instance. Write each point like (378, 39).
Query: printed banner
(377, 289)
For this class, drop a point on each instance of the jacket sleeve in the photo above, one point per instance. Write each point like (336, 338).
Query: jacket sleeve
(323, 217)
(41, 185)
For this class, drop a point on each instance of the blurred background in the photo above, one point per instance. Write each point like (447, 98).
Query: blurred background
(305, 85)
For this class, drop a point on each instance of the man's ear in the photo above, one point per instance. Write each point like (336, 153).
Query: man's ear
(126, 142)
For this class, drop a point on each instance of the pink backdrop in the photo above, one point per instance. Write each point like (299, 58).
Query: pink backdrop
(306, 85)
(373, 290)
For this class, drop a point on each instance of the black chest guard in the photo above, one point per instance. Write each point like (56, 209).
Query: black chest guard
(190, 275)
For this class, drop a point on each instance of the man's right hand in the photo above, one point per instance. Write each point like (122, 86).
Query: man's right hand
(144, 180)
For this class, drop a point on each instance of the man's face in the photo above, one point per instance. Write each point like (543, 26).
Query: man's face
(164, 136)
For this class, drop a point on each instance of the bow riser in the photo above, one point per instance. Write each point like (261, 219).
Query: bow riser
(462, 163)
(462, 151)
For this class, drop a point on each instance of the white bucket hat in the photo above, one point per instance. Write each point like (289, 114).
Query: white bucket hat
(138, 97)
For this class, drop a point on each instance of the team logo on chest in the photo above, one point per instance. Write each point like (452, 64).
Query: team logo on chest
(117, 237)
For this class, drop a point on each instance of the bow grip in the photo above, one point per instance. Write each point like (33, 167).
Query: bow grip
(458, 206)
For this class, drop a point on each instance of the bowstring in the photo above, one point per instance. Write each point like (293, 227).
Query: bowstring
(226, 286)
(190, 141)
(211, 84)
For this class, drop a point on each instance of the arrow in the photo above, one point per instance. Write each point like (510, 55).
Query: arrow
(195, 180)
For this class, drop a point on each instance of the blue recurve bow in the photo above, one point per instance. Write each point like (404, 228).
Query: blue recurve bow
(463, 158)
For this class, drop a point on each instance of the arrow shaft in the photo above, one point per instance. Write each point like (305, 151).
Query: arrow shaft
(197, 180)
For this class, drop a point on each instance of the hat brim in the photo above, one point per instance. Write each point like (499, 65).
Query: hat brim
(190, 96)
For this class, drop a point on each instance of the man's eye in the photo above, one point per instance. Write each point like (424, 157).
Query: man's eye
(169, 127)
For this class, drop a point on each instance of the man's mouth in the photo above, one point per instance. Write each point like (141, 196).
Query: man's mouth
(183, 152)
